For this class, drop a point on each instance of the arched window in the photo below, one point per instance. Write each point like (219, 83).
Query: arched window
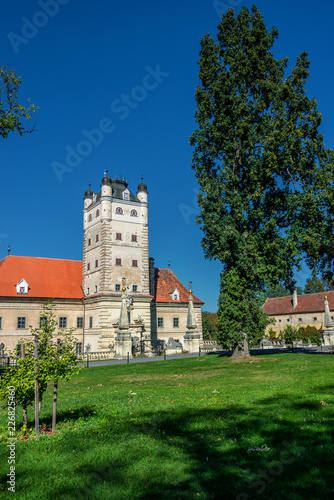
(89, 217)
(119, 210)
(134, 213)
(97, 213)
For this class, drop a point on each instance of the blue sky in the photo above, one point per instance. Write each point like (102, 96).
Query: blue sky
(128, 69)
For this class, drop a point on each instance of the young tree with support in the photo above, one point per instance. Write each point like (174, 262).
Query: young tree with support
(54, 360)
(265, 177)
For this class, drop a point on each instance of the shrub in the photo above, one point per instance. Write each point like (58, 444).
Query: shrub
(312, 333)
(290, 333)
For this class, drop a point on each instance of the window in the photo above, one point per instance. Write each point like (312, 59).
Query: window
(88, 266)
(89, 242)
(42, 321)
(19, 349)
(59, 342)
(287, 320)
(118, 288)
(97, 213)
(135, 263)
(118, 236)
(78, 348)
(95, 288)
(175, 322)
(280, 321)
(97, 238)
(175, 296)
(161, 322)
(134, 213)
(0, 322)
(96, 263)
(300, 319)
(90, 321)
(80, 322)
(89, 217)
(134, 288)
(314, 318)
(21, 322)
(87, 291)
(118, 262)
(62, 322)
(119, 210)
(133, 237)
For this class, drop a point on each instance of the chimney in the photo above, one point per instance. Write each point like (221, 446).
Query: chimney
(294, 299)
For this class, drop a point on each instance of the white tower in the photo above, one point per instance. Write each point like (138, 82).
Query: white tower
(115, 246)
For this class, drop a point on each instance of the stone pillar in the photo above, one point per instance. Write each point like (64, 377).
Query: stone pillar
(123, 340)
(152, 280)
(192, 337)
(329, 330)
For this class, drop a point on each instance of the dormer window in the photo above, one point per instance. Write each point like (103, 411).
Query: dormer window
(119, 210)
(176, 294)
(126, 195)
(134, 213)
(22, 287)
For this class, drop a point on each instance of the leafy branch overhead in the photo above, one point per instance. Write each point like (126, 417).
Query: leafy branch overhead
(265, 177)
(13, 115)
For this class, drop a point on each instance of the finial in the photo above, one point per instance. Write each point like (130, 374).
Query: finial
(8, 249)
(89, 184)
(142, 178)
(190, 287)
(169, 264)
(123, 284)
(325, 294)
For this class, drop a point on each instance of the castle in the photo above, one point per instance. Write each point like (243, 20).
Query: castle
(116, 270)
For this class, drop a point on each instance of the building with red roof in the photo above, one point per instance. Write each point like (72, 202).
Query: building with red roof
(87, 294)
(299, 310)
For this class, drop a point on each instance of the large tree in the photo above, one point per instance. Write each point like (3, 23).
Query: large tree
(265, 177)
(13, 115)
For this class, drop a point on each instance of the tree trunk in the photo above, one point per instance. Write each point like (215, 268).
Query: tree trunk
(241, 350)
(54, 407)
(25, 418)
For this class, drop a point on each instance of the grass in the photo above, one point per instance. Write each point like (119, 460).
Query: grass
(187, 428)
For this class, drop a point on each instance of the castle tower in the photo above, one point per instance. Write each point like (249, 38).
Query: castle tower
(115, 246)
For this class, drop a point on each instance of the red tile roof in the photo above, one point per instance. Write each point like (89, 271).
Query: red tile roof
(56, 278)
(312, 302)
(165, 284)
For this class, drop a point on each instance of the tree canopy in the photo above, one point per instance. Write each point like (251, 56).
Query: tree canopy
(265, 177)
(12, 113)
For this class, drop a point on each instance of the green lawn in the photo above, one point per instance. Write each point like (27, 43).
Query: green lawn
(184, 429)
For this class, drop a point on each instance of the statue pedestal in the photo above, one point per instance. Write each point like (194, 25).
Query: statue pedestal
(191, 341)
(329, 336)
(123, 345)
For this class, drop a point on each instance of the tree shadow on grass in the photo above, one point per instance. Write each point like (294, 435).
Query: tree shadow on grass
(64, 416)
(210, 453)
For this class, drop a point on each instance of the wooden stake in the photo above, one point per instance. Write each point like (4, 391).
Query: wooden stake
(36, 388)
